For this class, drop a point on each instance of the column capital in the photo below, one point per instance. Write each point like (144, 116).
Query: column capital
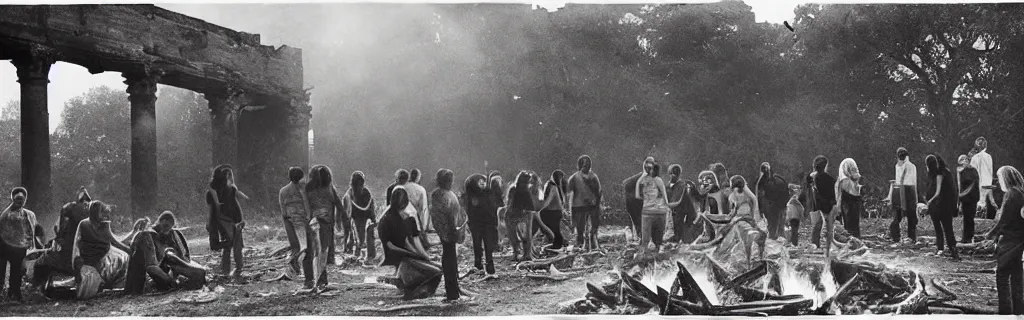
(143, 84)
(35, 64)
(226, 101)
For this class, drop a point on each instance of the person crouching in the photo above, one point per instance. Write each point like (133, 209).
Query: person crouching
(163, 254)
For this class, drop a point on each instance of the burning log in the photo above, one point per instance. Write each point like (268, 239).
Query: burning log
(758, 271)
(768, 306)
(751, 294)
(636, 293)
(826, 306)
(601, 296)
(914, 303)
(689, 287)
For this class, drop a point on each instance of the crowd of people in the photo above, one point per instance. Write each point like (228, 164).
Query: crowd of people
(313, 211)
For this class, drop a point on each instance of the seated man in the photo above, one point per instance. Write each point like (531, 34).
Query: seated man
(57, 258)
(100, 260)
(163, 254)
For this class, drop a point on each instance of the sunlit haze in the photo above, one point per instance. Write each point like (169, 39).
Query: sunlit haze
(68, 81)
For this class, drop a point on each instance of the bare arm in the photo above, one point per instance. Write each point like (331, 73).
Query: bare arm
(280, 202)
(241, 194)
(938, 188)
(661, 188)
(107, 233)
(636, 191)
(548, 198)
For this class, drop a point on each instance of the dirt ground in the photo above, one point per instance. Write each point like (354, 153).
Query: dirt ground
(972, 279)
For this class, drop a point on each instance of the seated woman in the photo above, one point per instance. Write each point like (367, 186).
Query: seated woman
(399, 232)
(100, 260)
(744, 202)
(163, 254)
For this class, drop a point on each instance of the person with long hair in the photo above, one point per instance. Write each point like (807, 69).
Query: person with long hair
(519, 217)
(941, 203)
(553, 207)
(326, 207)
(162, 254)
(420, 200)
(970, 193)
(401, 178)
(359, 204)
(709, 193)
(295, 213)
(651, 189)
(417, 276)
(226, 223)
(100, 260)
(57, 257)
(585, 197)
(450, 222)
(1009, 236)
(17, 235)
(903, 197)
(848, 196)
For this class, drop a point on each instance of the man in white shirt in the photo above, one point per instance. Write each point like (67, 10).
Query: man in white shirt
(982, 162)
(418, 200)
(904, 188)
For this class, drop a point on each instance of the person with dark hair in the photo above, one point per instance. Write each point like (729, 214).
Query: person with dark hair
(294, 211)
(359, 204)
(723, 177)
(325, 207)
(903, 196)
(553, 207)
(57, 258)
(226, 221)
(710, 194)
(519, 216)
(681, 204)
(941, 204)
(162, 253)
(482, 211)
(849, 196)
(450, 221)
(585, 197)
(982, 161)
(772, 195)
(417, 276)
(18, 227)
(401, 178)
(1008, 234)
(100, 260)
(651, 188)
(970, 193)
(824, 202)
(795, 211)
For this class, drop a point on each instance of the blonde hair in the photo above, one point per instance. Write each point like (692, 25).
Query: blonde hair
(1009, 178)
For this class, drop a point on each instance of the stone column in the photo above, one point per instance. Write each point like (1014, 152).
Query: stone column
(142, 94)
(33, 75)
(225, 108)
(297, 132)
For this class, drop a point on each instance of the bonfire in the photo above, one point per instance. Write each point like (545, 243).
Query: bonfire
(733, 270)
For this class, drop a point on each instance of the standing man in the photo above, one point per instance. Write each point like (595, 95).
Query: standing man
(585, 196)
(17, 235)
(772, 195)
(683, 211)
(982, 162)
(969, 195)
(418, 200)
(401, 178)
(450, 220)
(903, 196)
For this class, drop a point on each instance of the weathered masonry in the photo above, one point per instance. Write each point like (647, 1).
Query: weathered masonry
(259, 110)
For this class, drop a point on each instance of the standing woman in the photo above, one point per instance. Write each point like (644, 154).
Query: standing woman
(903, 196)
(226, 222)
(1010, 245)
(519, 217)
(651, 189)
(942, 202)
(359, 203)
(849, 198)
(17, 235)
(553, 207)
(744, 202)
(970, 193)
(585, 198)
(325, 206)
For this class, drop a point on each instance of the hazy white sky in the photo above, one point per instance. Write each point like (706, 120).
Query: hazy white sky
(68, 81)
